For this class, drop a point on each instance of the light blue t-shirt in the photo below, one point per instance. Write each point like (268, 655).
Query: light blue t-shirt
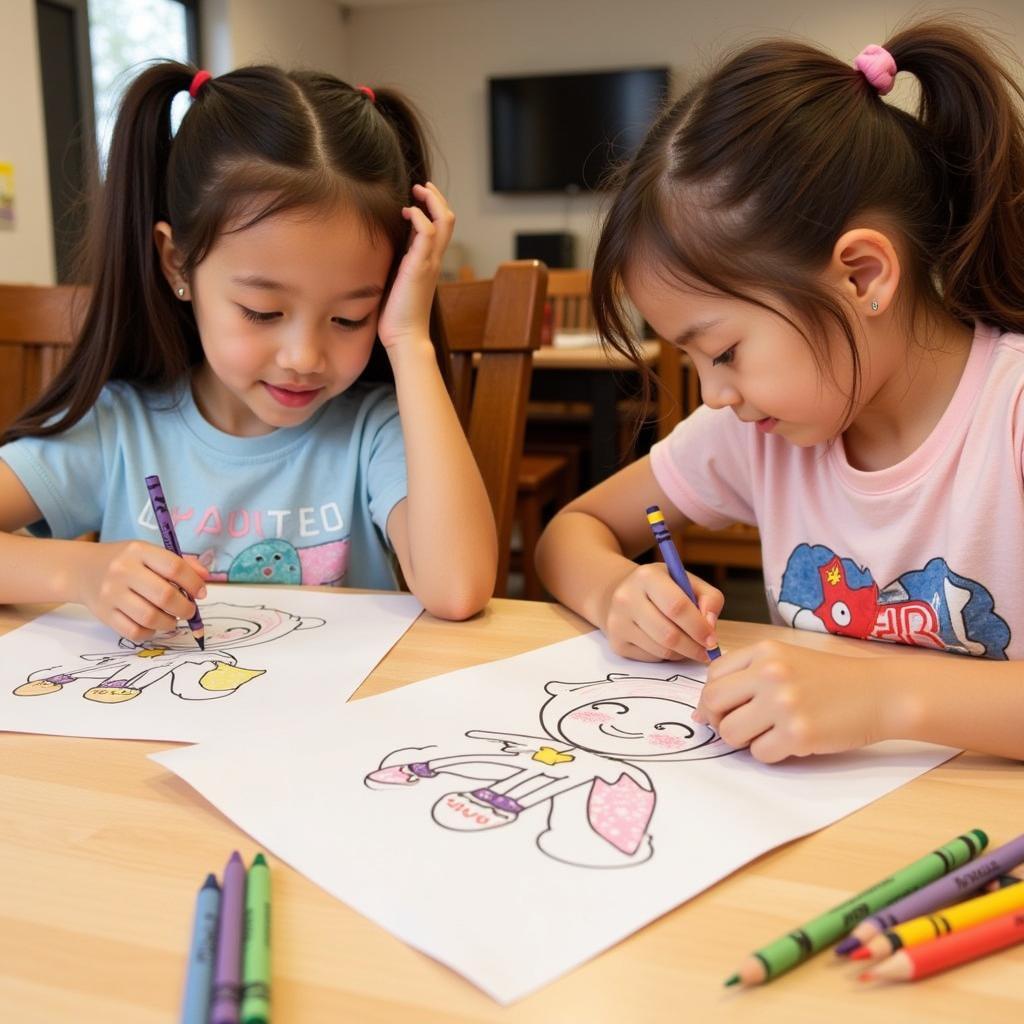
(306, 504)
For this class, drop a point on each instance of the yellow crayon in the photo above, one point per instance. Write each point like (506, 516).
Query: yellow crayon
(952, 919)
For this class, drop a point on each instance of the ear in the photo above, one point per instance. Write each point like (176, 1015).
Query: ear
(865, 269)
(170, 260)
(310, 623)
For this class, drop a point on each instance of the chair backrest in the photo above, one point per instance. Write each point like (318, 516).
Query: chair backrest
(489, 330)
(569, 295)
(678, 387)
(38, 326)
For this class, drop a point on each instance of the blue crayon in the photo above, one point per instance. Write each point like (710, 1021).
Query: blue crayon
(199, 983)
(672, 560)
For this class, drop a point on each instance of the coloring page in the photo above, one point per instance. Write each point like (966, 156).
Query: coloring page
(514, 819)
(269, 652)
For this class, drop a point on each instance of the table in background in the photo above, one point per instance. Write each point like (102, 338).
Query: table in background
(594, 375)
(102, 851)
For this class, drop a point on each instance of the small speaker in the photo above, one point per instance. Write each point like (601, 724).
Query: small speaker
(557, 250)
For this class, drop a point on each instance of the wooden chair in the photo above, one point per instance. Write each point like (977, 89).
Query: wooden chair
(737, 546)
(569, 295)
(38, 326)
(498, 321)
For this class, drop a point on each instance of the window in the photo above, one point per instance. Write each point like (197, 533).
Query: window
(124, 34)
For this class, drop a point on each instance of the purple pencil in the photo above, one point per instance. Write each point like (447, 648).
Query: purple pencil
(170, 539)
(940, 893)
(227, 976)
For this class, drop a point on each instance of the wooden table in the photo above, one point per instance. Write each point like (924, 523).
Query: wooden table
(595, 376)
(102, 850)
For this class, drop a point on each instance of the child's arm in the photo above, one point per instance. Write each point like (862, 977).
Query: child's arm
(785, 701)
(443, 532)
(584, 558)
(131, 586)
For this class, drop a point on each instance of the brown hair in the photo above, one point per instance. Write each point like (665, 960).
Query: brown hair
(746, 182)
(256, 141)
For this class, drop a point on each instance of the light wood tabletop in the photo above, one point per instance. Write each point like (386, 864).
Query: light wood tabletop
(102, 851)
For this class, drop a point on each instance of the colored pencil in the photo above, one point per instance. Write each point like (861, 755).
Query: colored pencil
(673, 562)
(941, 893)
(798, 945)
(950, 950)
(952, 919)
(170, 539)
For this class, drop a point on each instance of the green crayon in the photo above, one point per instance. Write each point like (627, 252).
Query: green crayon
(256, 945)
(792, 949)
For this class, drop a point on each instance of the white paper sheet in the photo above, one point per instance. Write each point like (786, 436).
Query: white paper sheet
(270, 652)
(621, 809)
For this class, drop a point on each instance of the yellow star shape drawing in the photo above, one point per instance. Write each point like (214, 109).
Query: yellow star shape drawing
(548, 755)
(151, 652)
(834, 576)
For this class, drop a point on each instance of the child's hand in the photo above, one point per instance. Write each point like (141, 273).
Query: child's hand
(787, 701)
(133, 587)
(650, 619)
(406, 315)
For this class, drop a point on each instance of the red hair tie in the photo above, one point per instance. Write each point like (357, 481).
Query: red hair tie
(200, 79)
(368, 93)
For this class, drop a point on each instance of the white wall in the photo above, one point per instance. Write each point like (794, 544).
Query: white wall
(26, 253)
(443, 53)
(293, 33)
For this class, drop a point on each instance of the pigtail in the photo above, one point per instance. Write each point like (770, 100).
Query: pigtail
(969, 107)
(408, 126)
(134, 328)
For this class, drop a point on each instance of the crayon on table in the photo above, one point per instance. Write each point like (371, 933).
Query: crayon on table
(952, 919)
(170, 539)
(673, 562)
(950, 950)
(256, 945)
(941, 893)
(792, 949)
(196, 1004)
(227, 977)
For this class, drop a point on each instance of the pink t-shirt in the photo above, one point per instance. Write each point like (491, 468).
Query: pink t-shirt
(927, 552)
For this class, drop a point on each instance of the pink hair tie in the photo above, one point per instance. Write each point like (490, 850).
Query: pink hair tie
(198, 81)
(368, 93)
(875, 63)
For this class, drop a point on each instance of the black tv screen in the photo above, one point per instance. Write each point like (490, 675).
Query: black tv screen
(555, 132)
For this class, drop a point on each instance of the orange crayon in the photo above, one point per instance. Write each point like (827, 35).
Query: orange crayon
(940, 954)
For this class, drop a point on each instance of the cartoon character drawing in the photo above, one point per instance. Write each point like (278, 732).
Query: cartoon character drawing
(121, 675)
(585, 769)
(278, 561)
(929, 607)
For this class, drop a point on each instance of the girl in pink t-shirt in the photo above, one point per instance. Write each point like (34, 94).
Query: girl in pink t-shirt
(846, 279)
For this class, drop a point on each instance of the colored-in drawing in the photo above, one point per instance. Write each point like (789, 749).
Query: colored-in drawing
(278, 561)
(121, 675)
(585, 768)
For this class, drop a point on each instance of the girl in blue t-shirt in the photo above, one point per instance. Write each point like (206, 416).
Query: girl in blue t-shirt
(243, 269)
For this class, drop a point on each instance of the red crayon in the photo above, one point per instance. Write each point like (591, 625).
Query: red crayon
(940, 954)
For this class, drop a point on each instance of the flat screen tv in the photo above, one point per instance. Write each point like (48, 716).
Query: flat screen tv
(551, 133)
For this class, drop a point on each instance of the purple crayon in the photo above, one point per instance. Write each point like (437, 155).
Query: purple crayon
(227, 975)
(941, 893)
(170, 539)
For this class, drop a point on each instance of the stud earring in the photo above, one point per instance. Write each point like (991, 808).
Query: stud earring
(874, 305)
(181, 293)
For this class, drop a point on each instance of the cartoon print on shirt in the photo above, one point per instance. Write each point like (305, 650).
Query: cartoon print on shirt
(279, 561)
(929, 607)
(193, 674)
(585, 769)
